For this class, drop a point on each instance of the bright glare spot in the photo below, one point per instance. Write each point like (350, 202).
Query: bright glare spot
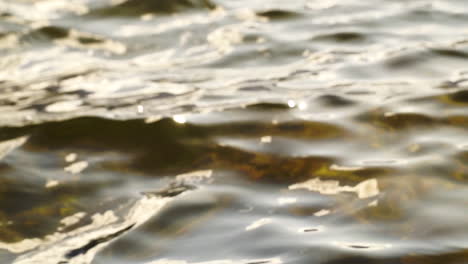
(266, 139)
(344, 168)
(153, 119)
(140, 109)
(259, 223)
(71, 157)
(51, 183)
(8, 146)
(365, 189)
(179, 119)
(65, 106)
(302, 105)
(322, 213)
(291, 103)
(76, 167)
(286, 200)
(72, 219)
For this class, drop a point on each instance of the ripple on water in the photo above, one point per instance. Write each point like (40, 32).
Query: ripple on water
(190, 131)
(327, 200)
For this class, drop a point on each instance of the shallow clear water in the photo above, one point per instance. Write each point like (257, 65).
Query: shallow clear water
(184, 131)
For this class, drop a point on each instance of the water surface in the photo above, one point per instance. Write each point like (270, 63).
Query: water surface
(190, 132)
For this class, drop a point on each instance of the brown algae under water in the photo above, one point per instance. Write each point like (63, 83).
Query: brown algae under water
(272, 184)
(226, 132)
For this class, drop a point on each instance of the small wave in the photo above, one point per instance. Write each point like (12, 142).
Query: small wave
(142, 7)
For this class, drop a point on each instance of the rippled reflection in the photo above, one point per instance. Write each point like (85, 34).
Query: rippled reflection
(134, 189)
(194, 131)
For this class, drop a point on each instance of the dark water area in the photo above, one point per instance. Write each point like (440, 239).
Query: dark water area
(233, 132)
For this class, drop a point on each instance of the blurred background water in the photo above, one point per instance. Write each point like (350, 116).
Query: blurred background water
(217, 131)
